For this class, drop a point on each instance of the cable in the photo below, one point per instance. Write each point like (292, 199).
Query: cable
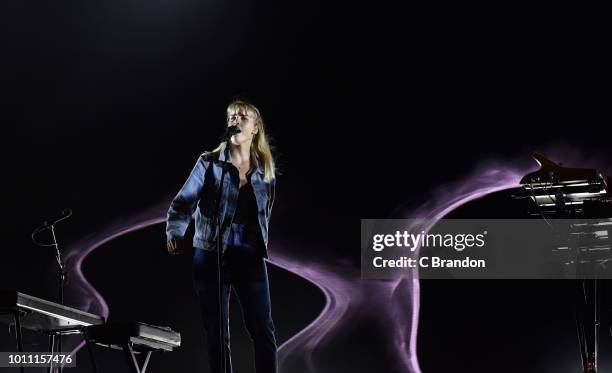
(38, 243)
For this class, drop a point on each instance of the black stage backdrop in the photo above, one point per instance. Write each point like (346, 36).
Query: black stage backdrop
(107, 104)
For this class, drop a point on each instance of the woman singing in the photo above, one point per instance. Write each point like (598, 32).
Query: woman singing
(248, 196)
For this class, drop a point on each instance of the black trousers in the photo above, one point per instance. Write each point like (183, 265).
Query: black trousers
(247, 275)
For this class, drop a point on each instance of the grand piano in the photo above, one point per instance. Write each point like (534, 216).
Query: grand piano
(577, 204)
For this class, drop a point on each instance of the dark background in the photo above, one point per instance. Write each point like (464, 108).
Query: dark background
(107, 104)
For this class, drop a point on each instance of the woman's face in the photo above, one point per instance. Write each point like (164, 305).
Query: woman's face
(246, 122)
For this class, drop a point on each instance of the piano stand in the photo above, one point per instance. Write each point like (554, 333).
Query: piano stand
(137, 361)
(588, 308)
(53, 336)
(89, 343)
(16, 313)
(136, 340)
(54, 345)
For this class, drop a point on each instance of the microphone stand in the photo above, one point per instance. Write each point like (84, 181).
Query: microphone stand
(62, 275)
(62, 280)
(217, 220)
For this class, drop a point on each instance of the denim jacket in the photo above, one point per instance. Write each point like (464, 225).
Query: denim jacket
(199, 193)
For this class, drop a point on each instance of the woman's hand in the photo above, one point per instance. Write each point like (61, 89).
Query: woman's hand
(175, 245)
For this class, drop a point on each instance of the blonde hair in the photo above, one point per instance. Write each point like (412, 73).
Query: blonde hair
(260, 147)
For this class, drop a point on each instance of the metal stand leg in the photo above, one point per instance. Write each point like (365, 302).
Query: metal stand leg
(588, 299)
(60, 368)
(90, 351)
(135, 365)
(18, 336)
(51, 350)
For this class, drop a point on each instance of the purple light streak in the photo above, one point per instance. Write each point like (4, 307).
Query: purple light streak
(485, 180)
(348, 297)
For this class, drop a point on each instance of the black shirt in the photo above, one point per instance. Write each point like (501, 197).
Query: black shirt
(246, 234)
(246, 208)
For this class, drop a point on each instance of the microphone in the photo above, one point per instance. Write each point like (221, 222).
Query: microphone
(229, 132)
(65, 214)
